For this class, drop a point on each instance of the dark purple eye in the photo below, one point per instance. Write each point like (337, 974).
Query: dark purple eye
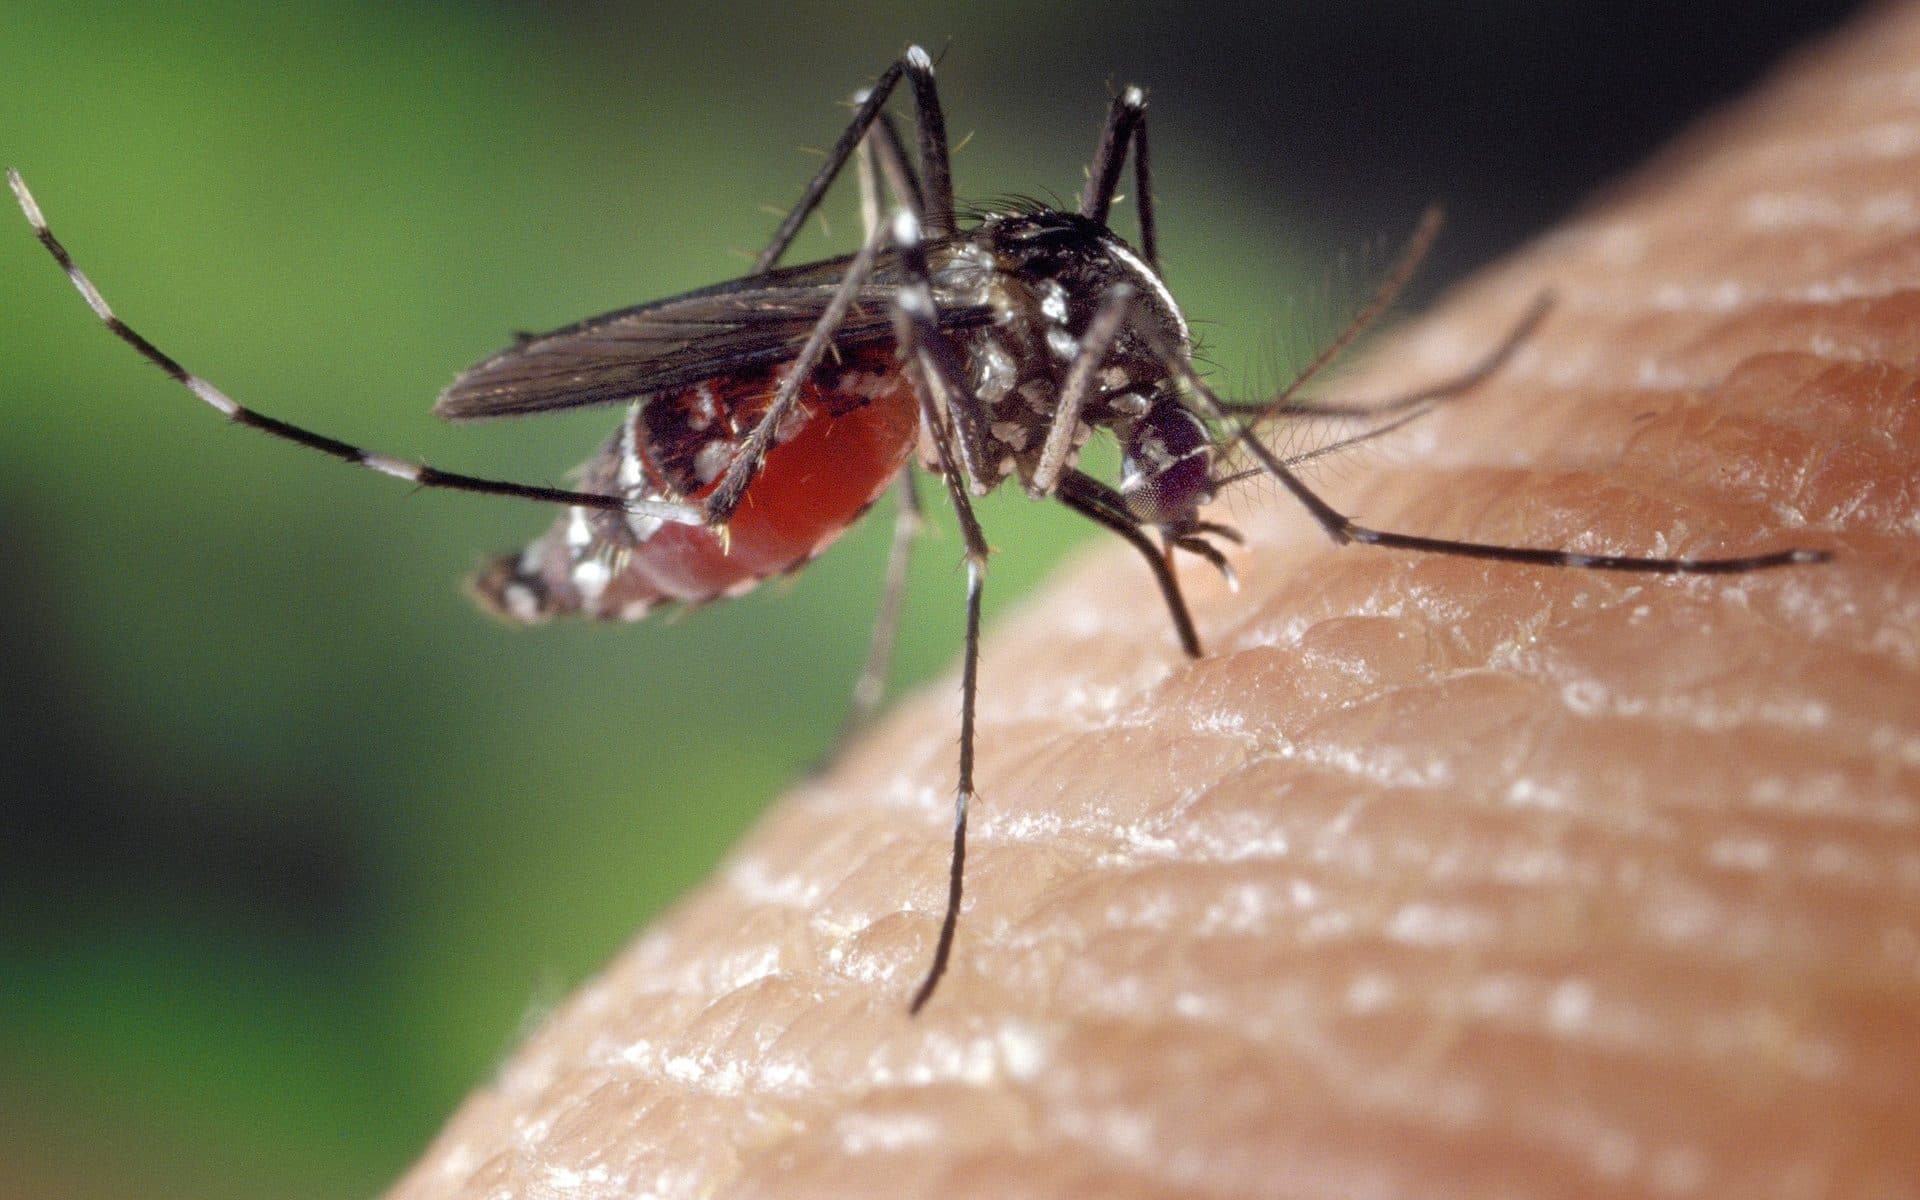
(1166, 472)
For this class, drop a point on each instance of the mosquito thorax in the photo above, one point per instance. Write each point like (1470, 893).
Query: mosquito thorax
(1045, 273)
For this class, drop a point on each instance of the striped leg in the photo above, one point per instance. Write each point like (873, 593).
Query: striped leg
(936, 178)
(882, 156)
(226, 406)
(948, 409)
(1126, 124)
(931, 191)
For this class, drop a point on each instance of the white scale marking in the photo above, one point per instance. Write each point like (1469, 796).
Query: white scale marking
(94, 299)
(1054, 303)
(214, 396)
(906, 228)
(398, 468)
(27, 203)
(643, 527)
(591, 576)
(1145, 274)
(521, 602)
(579, 530)
(714, 457)
(629, 476)
(707, 408)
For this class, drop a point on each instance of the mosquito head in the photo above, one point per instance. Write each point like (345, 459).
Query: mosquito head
(1166, 469)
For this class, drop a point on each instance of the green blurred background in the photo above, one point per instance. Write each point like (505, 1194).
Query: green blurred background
(293, 842)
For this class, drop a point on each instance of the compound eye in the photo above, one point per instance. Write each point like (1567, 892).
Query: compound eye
(1166, 471)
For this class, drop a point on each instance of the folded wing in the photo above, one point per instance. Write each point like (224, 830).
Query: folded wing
(620, 356)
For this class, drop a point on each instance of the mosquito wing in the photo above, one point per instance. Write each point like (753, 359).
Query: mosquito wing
(620, 356)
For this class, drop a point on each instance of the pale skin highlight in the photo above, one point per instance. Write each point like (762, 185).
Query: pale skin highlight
(1437, 877)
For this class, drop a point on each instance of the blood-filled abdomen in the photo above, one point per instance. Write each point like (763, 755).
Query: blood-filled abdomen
(843, 443)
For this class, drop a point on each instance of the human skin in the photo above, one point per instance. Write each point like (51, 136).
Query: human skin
(1435, 877)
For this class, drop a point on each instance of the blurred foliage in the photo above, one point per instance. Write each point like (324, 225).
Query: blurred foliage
(294, 839)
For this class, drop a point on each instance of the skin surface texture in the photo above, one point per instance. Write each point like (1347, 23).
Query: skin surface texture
(1437, 877)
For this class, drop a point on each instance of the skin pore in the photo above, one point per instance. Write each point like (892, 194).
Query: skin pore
(1436, 877)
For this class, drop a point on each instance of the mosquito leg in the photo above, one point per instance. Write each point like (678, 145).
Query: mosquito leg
(1102, 505)
(918, 69)
(945, 365)
(413, 472)
(883, 156)
(866, 175)
(1094, 344)
(932, 366)
(1126, 122)
(876, 139)
(963, 793)
(883, 143)
(1343, 529)
(863, 116)
(1143, 195)
(1447, 389)
(976, 545)
(936, 173)
(908, 521)
(1127, 112)
(895, 167)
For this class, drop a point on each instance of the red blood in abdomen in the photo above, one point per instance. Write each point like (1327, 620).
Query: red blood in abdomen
(810, 489)
(854, 424)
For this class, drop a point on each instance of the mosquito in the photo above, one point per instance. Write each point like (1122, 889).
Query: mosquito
(766, 414)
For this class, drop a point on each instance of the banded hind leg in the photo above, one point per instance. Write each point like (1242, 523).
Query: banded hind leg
(417, 473)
